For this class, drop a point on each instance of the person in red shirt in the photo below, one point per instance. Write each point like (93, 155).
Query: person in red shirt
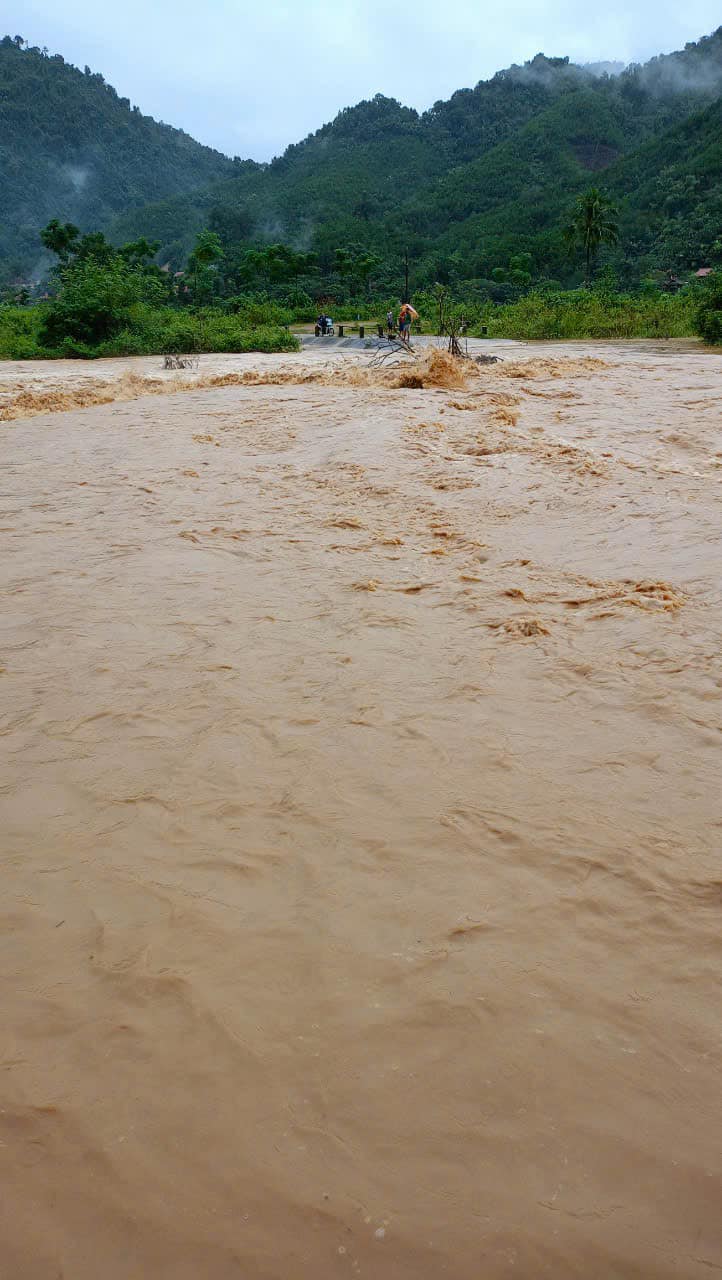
(406, 315)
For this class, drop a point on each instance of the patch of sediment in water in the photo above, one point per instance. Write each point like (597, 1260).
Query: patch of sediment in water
(546, 367)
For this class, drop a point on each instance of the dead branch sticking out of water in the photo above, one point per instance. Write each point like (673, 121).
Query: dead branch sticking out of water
(180, 362)
(388, 356)
(454, 324)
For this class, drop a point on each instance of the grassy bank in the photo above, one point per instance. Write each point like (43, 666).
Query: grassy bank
(146, 331)
(243, 325)
(585, 313)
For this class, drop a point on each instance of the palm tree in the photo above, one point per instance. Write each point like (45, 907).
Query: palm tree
(593, 222)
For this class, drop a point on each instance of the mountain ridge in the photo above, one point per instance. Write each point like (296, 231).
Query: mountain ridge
(71, 147)
(473, 178)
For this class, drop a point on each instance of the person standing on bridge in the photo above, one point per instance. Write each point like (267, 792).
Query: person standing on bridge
(406, 315)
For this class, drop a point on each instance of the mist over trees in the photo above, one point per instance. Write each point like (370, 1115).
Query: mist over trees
(477, 194)
(71, 148)
(487, 175)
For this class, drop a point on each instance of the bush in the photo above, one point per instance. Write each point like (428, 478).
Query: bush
(708, 317)
(302, 304)
(587, 313)
(259, 314)
(19, 327)
(178, 333)
(96, 301)
(145, 330)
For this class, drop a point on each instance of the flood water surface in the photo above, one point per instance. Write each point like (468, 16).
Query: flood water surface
(361, 824)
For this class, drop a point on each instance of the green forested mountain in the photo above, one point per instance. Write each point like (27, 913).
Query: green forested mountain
(71, 148)
(487, 174)
(463, 186)
(670, 191)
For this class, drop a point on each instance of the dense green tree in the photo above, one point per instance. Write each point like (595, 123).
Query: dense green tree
(94, 247)
(60, 238)
(272, 264)
(139, 253)
(356, 264)
(208, 249)
(708, 319)
(520, 269)
(202, 265)
(232, 223)
(95, 301)
(71, 248)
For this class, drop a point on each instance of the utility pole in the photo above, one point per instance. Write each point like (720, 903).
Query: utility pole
(406, 275)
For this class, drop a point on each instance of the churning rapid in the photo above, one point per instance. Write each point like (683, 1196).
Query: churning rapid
(361, 820)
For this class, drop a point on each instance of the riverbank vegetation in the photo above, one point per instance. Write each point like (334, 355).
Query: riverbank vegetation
(118, 302)
(103, 300)
(529, 185)
(146, 331)
(588, 313)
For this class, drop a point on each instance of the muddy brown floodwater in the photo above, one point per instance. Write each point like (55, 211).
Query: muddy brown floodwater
(361, 821)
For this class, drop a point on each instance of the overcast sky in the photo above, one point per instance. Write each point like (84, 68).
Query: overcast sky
(248, 78)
